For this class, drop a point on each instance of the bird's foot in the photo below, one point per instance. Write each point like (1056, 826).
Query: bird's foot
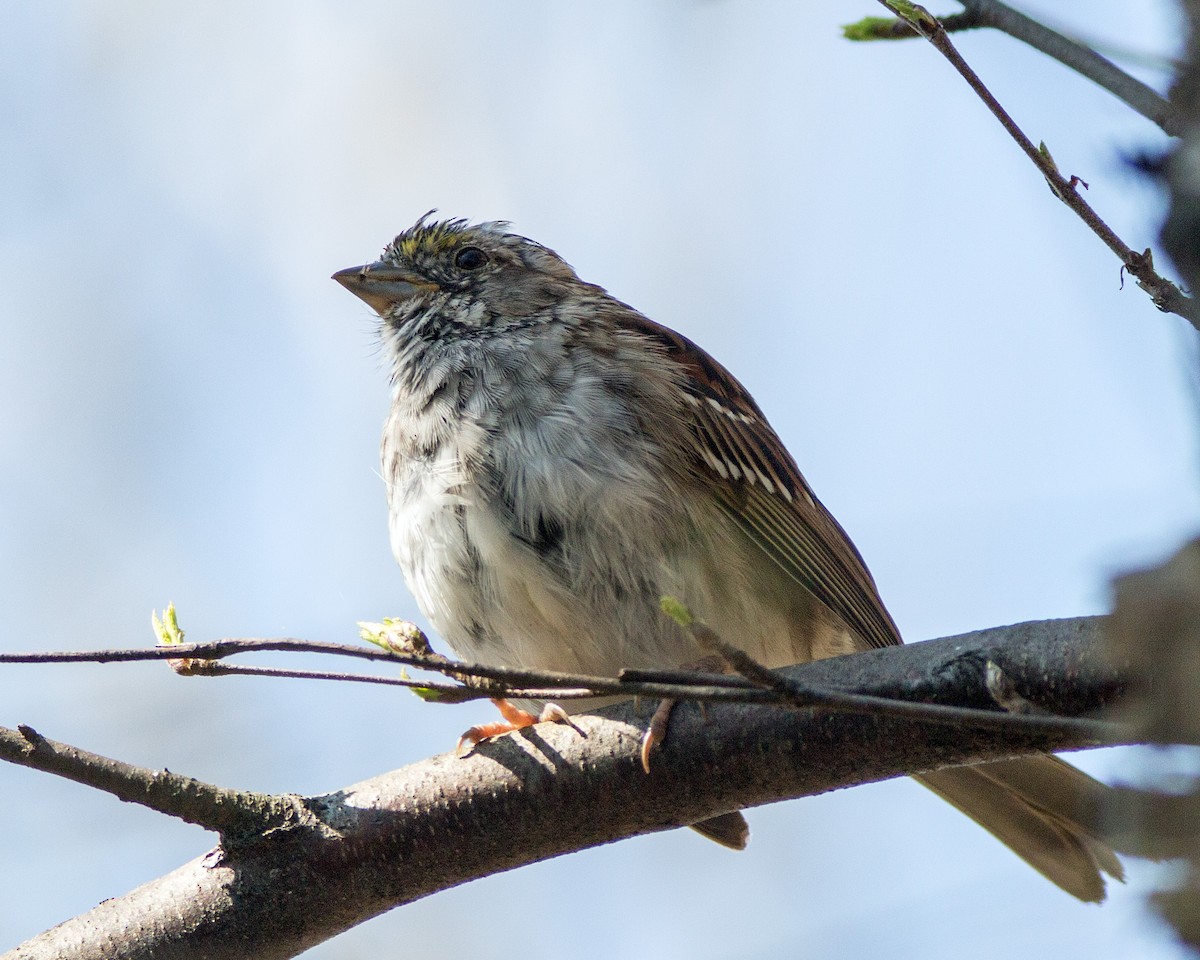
(514, 719)
(656, 732)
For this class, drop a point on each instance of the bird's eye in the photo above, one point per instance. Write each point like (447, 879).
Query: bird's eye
(470, 258)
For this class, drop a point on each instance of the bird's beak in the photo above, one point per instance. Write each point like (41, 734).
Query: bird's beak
(381, 285)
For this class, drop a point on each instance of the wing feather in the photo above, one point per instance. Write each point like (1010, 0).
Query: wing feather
(759, 486)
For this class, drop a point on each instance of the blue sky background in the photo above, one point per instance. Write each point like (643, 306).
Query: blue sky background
(191, 407)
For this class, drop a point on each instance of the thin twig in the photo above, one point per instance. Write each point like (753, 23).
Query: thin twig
(210, 650)
(430, 690)
(442, 692)
(512, 680)
(1163, 293)
(232, 646)
(798, 695)
(491, 681)
(1098, 731)
(777, 691)
(1080, 58)
(1077, 56)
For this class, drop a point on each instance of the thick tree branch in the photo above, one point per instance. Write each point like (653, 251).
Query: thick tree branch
(231, 813)
(548, 791)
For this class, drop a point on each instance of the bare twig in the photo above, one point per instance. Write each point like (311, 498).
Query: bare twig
(790, 692)
(762, 688)
(1163, 293)
(1085, 61)
(203, 655)
(210, 650)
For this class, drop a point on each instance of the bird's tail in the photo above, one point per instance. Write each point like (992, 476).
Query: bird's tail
(1044, 810)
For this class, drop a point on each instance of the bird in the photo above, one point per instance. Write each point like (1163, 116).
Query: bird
(556, 462)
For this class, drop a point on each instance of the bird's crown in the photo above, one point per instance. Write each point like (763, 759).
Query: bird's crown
(436, 237)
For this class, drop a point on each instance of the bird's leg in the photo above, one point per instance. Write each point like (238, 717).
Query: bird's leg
(656, 733)
(514, 719)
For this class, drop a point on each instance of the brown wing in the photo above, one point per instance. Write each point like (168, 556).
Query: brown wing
(762, 489)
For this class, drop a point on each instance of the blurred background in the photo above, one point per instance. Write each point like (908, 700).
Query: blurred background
(189, 407)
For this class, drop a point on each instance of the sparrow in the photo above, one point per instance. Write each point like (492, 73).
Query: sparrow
(556, 463)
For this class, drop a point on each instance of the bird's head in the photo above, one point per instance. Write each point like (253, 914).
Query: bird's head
(462, 277)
